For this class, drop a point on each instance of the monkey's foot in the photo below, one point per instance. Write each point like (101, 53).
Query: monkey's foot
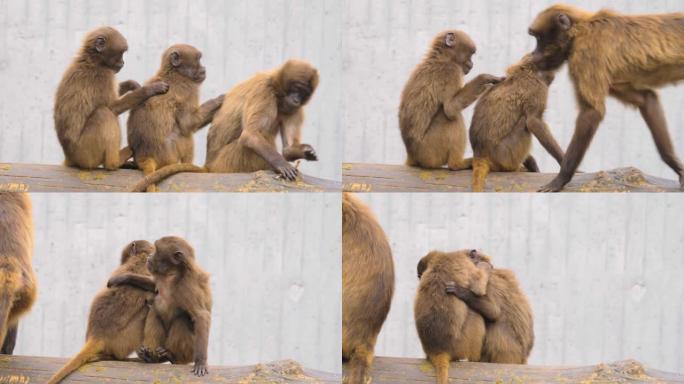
(556, 185)
(165, 355)
(148, 356)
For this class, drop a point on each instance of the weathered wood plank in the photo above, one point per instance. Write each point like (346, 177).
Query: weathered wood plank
(386, 370)
(357, 177)
(25, 369)
(56, 178)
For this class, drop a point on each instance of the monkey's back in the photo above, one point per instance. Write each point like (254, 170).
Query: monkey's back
(368, 274)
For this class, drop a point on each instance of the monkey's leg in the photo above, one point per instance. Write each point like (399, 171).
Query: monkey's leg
(154, 337)
(360, 360)
(531, 164)
(481, 168)
(149, 166)
(10, 340)
(441, 363)
(542, 132)
(587, 123)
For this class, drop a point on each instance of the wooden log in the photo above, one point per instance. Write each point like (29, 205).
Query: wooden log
(389, 370)
(56, 178)
(25, 370)
(399, 178)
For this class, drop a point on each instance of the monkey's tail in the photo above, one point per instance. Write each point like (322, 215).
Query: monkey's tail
(441, 362)
(88, 354)
(161, 174)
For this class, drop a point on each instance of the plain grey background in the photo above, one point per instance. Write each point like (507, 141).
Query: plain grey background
(237, 38)
(385, 39)
(274, 262)
(603, 272)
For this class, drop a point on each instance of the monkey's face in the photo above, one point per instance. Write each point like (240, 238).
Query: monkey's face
(551, 30)
(297, 94)
(186, 60)
(171, 256)
(458, 46)
(109, 51)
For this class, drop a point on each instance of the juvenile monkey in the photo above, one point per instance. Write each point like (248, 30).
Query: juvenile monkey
(506, 117)
(17, 278)
(609, 54)
(242, 136)
(430, 119)
(448, 329)
(87, 106)
(509, 322)
(117, 315)
(367, 285)
(160, 130)
(177, 327)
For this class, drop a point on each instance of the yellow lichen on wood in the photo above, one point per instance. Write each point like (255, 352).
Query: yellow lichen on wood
(14, 187)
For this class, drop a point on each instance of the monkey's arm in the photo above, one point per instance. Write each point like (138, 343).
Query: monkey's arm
(127, 86)
(139, 281)
(468, 94)
(290, 134)
(253, 138)
(542, 132)
(190, 123)
(202, 323)
(132, 99)
(483, 305)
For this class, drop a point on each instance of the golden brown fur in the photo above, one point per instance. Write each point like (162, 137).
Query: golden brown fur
(448, 329)
(18, 284)
(367, 285)
(430, 119)
(624, 56)
(242, 137)
(160, 130)
(87, 105)
(117, 315)
(177, 328)
(506, 117)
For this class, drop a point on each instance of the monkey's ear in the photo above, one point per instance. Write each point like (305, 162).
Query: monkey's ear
(100, 43)
(175, 59)
(178, 258)
(564, 21)
(450, 39)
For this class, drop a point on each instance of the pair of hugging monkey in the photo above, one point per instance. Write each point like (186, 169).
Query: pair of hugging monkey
(157, 303)
(165, 113)
(608, 54)
(464, 308)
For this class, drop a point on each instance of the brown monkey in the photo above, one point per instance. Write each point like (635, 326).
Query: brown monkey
(177, 328)
(87, 105)
(17, 278)
(367, 285)
(117, 315)
(610, 54)
(432, 101)
(505, 119)
(242, 137)
(160, 130)
(509, 336)
(448, 329)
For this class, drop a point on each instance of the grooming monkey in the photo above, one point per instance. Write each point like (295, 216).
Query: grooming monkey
(160, 130)
(242, 136)
(505, 119)
(87, 106)
(509, 336)
(430, 119)
(177, 327)
(117, 315)
(448, 329)
(17, 279)
(367, 285)
(609, 54)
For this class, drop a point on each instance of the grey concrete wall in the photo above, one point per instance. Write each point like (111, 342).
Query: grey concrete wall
(274, 262)
(238, 39)
(603, 272)
(385, 39)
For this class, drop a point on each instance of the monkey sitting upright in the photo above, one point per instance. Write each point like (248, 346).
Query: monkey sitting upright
(448, 329)
(430, 119)
(17, 279)
(505, 119)
(509, 336)
(177, 327)
(87, 106)
(160, 130)
(117, 315)
(242, 137)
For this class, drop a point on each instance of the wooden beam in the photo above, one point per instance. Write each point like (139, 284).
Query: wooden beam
(25, 370)
(56, 178)
(389, 370)
(358, 177)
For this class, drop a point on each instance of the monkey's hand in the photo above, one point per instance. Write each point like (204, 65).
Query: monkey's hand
(128, 86)
(486, 79)
(200, 368)
(453, 289)
(556, 185)
(154, 89)
(116, 281)
(309, 152)
(165, 355)
(287, 170)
